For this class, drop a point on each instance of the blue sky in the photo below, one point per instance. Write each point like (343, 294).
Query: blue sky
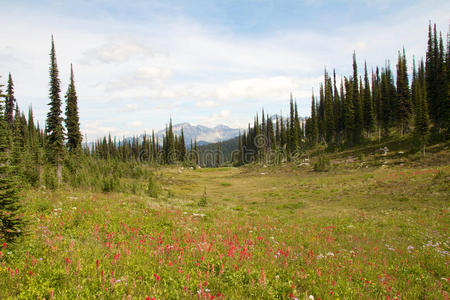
(205, 62)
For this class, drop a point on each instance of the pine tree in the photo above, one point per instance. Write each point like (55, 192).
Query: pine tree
(219, 155)
(54, 127)
(403, 107)
(10, 221)
(442, 89)
(314, 122)
(369, 115)
(321, 113)
(293, 134)
(356, 97)
(388, 95)
(422, 120)
(283, 133)
(337, 110)
(240, 158)
(297, 128)
(349, 112)
(197, 155)
(72, 120)
(376, 98)
(10, 102)
(328, 111)
(182, 146)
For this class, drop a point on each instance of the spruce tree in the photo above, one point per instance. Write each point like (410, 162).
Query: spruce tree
(11, 223)
(403, 107)
(422, 120)
(356, 97)
(182, 146)
(369, 115)
(10, 102)
(314, 122)
(219, 155)
(328, 111)
(293, 134)
(72, 120)
(240, 158)
(54, 127)
(349, 112)
(336, 110)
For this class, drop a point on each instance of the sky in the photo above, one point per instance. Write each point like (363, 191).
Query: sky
(206, 62)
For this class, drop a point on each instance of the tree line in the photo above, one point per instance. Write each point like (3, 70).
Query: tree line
(360, 107)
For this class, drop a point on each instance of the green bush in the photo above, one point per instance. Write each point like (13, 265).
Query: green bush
(110, 184)
(153, 188)
(323, 164)
(203, 200)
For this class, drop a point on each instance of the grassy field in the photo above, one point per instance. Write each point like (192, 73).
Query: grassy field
(363, 230)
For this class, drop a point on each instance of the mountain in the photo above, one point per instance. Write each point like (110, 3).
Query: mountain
(203, 134)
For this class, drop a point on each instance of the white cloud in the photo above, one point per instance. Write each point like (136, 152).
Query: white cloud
(135, 124)
(206, 104)
(118, 49)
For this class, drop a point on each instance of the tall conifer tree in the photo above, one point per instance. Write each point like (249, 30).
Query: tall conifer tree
(10, 102)
(10, 222)
(72, 120)
(54, 127)
(403, 107)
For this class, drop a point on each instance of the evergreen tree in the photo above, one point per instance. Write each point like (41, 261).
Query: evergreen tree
(403, 107)
(10, 221)
(240, 158)
(369, 115)
(422, 121)
(277, 133)
(10, 102)
(72, 119)
(182, 146)
(443, 116)
(197, 155)
(283, 133)
(328, 111)
(376, 97)
(297, 128)
(293, 134)
(349, 112)
(321, 113)
(314, 122)
(356, 97)
(219, 155)
(337, 110)
(54, 127)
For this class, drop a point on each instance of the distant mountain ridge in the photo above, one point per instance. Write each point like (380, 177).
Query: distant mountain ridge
(203, 134)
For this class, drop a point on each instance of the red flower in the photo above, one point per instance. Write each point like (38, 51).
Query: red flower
(97, 263)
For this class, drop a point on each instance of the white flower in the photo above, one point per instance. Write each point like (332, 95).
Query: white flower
(330, 254)
(311, 297)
